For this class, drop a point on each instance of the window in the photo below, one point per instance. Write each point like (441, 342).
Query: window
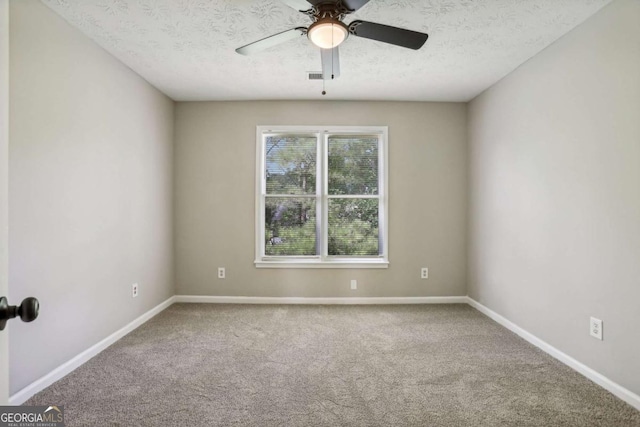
(321, 197)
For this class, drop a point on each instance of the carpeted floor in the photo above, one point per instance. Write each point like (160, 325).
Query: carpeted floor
(413, 365)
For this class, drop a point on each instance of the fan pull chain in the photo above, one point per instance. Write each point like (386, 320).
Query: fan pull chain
(332, 52)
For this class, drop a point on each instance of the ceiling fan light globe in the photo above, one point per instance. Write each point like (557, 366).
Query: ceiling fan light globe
(327, 34)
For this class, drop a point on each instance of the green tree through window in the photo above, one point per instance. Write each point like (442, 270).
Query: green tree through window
(290, 222)
(321, 195)
(353, 171)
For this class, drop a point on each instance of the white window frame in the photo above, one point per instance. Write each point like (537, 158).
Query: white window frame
(322, 197)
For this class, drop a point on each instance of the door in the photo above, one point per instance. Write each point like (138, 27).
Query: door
(4, 196)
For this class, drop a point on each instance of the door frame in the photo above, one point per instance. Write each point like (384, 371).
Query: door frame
(4, 191)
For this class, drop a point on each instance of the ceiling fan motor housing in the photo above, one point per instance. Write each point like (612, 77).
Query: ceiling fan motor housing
(329, 9)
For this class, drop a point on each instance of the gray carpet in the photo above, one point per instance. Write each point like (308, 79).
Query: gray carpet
(423, 365)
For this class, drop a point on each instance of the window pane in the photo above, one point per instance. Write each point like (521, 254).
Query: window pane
(291, 164)
(290, 226)
(353, 227)
(353, 165)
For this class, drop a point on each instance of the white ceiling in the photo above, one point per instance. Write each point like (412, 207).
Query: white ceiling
(186, 48)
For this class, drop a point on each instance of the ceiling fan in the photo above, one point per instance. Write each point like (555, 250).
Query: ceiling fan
(328, 31)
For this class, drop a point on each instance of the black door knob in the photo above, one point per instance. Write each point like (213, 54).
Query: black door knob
(27, 311)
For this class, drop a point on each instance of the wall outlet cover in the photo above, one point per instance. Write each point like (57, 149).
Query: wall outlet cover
(595, 328)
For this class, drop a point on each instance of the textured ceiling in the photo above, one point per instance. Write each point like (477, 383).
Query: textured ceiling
(186, 48)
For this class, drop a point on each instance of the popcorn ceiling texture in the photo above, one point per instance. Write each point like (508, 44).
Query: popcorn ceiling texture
(186, 48)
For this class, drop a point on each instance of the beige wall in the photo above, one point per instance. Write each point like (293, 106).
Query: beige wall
(215, 199)
(555, 194)
(90, 181)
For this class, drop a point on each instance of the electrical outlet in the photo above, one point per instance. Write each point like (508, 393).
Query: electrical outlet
(354, 285)
(424, 273)
(595, 328)
(221, 273)
(134, 290)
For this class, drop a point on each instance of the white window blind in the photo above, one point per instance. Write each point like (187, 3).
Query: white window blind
(353, 204)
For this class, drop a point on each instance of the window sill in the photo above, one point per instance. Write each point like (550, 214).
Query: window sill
(352, 263)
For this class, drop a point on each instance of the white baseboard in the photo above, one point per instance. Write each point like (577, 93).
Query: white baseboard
(319, 301)
(616, 389)
(23, 395)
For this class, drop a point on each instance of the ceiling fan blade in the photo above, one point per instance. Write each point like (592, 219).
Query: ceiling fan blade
(385, 33)
(330, 63)
(298, 4)
(271, 41)
(354, 4)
